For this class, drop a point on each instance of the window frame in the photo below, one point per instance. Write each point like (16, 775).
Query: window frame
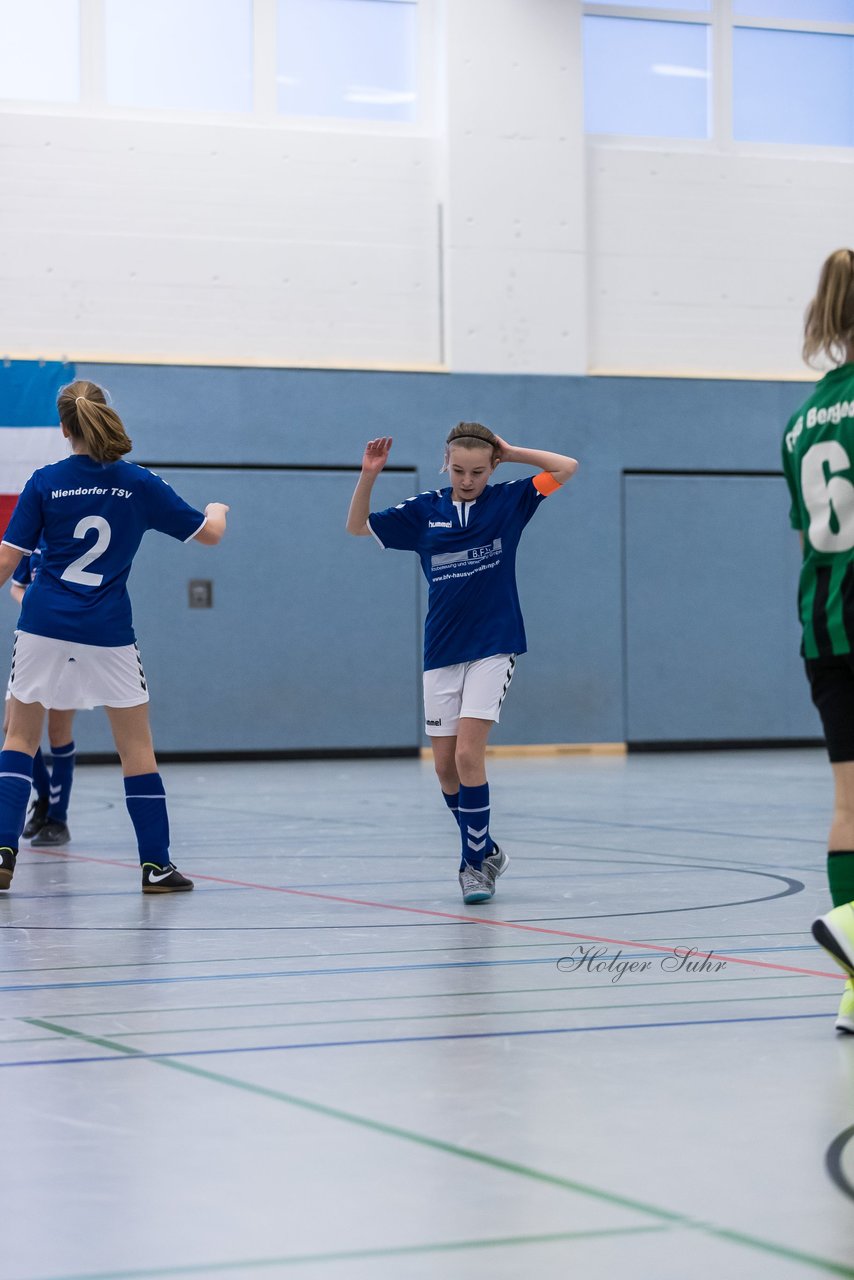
(264, 112)
(722, 22)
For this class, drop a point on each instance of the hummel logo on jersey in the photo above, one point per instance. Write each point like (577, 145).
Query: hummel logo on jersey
(436, 724)
(440, 524)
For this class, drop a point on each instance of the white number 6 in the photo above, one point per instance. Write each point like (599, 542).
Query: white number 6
(828, 497)
(77, 570)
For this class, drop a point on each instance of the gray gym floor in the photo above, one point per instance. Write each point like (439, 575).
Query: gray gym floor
(321, 1063)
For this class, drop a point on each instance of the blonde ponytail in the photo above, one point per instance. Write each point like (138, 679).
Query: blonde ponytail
(829, 319)
(91, 423)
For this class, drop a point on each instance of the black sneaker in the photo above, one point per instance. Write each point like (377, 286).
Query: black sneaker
(8, 858)
(53, 833)
(157, 879)
(37, 818)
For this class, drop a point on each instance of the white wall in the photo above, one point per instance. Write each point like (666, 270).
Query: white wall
(131, 239)
(704, 262)
(146, 240)
(514, 149)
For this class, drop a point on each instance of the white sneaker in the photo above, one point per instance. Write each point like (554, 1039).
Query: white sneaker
(835, 932)
(477, 886)
(497, 863)
(845, 1017)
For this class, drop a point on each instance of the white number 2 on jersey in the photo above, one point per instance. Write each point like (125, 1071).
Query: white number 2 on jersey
(828, 496)
(77, 571)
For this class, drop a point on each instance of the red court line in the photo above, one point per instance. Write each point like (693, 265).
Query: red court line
(465, 919)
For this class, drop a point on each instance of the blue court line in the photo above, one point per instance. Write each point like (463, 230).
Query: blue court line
(445, 948)
(384, 968)
(651, 826)
(352, 1044)
(72, 894)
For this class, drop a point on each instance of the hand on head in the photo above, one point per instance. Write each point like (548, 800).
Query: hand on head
(502, 449)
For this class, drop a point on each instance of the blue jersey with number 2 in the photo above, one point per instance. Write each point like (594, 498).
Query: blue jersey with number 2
(91, 517)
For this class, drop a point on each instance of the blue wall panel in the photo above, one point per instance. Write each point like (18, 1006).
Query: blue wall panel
(711, 636)
(570, 687)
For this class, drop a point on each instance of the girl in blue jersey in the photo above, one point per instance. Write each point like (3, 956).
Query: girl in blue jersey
(466, 537)
(91, 510)
(47, 824)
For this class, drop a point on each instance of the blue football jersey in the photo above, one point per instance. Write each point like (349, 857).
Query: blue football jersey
(468, 554)
(91, 517)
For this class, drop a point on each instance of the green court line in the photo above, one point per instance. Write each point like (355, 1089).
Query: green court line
(353, 1255)
(464, 1153)
(432, 1017)
(430, 995)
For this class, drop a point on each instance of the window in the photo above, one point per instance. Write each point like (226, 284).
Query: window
(796, 10)
(789, 64)
(40, 50)
(697, 6)
(646, 78)
(330, 59)
(179, 55)
(789, 86)
(347, 58)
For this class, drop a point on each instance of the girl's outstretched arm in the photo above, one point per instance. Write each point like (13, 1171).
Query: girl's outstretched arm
(214, 527)
(9, 557)
(373, 461)
(557, 464)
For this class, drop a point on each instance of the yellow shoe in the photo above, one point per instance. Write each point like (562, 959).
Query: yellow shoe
(835, 932)
(845, 1017)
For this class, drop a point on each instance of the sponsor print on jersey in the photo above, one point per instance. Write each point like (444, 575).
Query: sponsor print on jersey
(815, 417)
(464, 563)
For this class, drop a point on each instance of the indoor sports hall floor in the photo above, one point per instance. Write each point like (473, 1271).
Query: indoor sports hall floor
(322, 1064)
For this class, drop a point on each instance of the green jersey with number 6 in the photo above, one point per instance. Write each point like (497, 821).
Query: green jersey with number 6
(818, 462)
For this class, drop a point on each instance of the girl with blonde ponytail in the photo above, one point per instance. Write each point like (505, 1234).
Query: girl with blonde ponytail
(466, 537)
(90, 512)
(818, 462)
(91, 425)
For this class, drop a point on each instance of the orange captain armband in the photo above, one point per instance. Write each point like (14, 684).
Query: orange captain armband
(545, 483)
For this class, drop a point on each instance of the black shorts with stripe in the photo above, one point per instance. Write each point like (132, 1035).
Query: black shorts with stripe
(832, 688)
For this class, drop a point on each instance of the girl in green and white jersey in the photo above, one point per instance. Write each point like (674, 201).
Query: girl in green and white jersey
(818, 462)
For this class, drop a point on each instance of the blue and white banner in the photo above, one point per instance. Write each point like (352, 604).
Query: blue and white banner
(29, 425)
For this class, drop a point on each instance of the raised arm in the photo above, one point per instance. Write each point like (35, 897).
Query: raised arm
(214, 527)
(374, 459)
(559, 465)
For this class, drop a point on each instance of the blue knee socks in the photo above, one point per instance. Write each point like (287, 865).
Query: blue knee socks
(474, 825)
(41, 777)
(453, 803)
(145, 798)
(16, 780)
(61, 773)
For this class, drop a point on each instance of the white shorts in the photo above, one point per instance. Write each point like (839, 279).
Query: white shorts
(472, 689)
(66, 676)
(67, 694)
